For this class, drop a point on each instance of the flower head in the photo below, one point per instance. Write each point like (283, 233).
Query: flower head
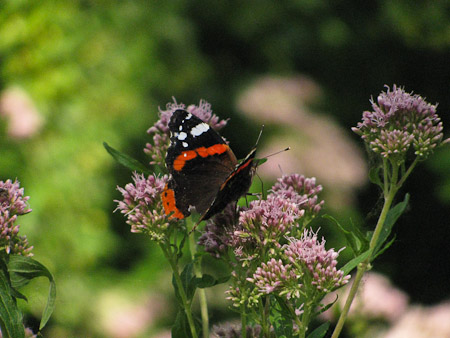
(160, 130)
(277, 277)
(309, 255)
(12, 205)
(401, 123)
(301, 190)
(143, 207)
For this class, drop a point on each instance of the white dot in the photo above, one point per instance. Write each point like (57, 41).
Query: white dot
(199, 129)
(182, 136)
(188, 117)
(185, 144)
(180, 128)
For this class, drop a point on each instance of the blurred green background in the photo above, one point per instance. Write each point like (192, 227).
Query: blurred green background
(76, 73)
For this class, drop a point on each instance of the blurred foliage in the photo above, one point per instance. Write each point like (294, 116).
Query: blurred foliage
(98, 70)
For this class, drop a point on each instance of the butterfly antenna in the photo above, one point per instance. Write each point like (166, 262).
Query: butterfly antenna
(259, 136)
(277, 152)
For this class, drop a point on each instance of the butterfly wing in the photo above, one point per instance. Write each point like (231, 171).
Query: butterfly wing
(198, 160)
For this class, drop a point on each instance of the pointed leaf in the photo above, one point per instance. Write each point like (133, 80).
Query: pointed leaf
(374, 176)
(208, 281)
(326, 307)
(10, 315)
(320, 332)
(347, 268)
(384, 248)
(355, 238)
(22, 270)
(180, 328)
(127, 161)
(188, 281)
(391, 218)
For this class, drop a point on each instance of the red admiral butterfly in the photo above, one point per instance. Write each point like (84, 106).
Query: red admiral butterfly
(204, 170)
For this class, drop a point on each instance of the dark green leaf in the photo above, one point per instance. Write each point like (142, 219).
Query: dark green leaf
(374, 176)
(188, 282)
(384, 248)
(126, 160)
(208, 281)
(10, 316)
(355, 238)
(22, 270)
(180, 328)
(391, 218)
(326, 307)
(320, 332)
(347, 268)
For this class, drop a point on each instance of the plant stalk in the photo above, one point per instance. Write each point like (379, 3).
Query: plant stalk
(365, 265)
(186, 304)
(201, 292)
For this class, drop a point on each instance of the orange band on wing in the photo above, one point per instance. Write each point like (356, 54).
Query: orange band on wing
(188, 155)
(168, 199)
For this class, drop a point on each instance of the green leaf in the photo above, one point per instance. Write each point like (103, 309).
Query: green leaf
(391, 217)
(22, 270)
(374, 176)
(208, 281)
(10, 316)
(384, 248)
(320, 332)
(180, 328)
(188, 281)
(355, 238)
(326, 307)
(347, 268)
(127, 161)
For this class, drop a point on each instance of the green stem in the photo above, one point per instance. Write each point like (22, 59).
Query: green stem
(243, 321)
(186, 304)
(365, 265)
(264, 320)
(405, 176)
(201, 292)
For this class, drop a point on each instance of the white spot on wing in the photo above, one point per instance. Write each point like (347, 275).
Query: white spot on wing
(180, 127)
(182, 136)
(199, 129)
(188, 116)
(185, 144)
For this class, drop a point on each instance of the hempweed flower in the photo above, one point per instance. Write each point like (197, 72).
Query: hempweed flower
(142, 205)
(308, 255)
(399, 125)
(276, 276)
(292, 203)
(160, 130)
(304, 267)
(12, 205)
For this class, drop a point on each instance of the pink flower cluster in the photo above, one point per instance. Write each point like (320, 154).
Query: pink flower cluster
(143, 207)
(307, 252)
(399, 122)
(12, 205)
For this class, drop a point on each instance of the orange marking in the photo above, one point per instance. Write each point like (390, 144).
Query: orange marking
(170, 208)
(244, 165)
(188, 155)
(181, 159)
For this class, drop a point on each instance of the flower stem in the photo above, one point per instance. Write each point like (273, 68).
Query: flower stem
(243, 322)
(186, 304)
(365, 265)
(201, 292)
